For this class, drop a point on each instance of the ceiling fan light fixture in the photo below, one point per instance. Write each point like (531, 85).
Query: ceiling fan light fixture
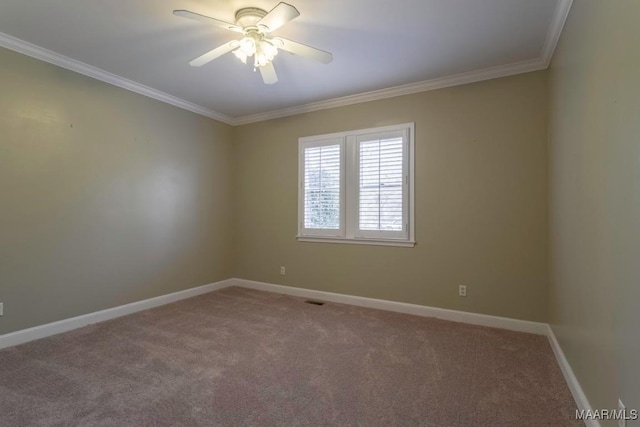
(265, 53)
(256, 26)
(248, 46)
(240, 55)
(254, 45)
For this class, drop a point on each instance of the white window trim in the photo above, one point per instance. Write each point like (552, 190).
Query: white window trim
(349, 189)
(355, 172)
(324, 233)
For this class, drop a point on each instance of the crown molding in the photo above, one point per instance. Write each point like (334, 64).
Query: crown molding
(54, 58)
(553, 36)
(551, 41)
(407, 89)
(555, 29)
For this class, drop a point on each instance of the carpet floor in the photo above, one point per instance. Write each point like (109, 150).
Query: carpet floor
(240, 357)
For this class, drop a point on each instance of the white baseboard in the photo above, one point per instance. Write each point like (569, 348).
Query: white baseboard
(574, 386)
(42, 331)
(401, 307)
(538, 328)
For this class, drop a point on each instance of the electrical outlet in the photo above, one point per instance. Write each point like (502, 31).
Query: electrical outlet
(622, 420)
(462, 290)
(1, 309)
(282, 271)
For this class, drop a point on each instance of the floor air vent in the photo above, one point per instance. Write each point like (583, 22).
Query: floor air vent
(314, 302)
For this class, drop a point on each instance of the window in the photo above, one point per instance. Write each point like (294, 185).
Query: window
(323, 188)
(357, 187)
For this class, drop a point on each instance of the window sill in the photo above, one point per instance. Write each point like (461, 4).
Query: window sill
(373, 242)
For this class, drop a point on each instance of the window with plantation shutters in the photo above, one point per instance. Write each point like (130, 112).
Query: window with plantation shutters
(381, 186)
(357, 187)
(322, 187)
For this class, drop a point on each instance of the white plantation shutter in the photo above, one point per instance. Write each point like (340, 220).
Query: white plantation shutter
(322, 188)
(382, 179)
(357, 187)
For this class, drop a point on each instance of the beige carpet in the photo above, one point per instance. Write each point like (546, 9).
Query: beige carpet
(240, 357)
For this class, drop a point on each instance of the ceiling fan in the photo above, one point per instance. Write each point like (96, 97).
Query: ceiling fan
(257, 25)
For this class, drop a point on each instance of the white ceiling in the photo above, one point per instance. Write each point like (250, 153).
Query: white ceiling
(376, 44)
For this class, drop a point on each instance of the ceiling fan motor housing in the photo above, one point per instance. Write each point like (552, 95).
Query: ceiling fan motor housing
(249, 17)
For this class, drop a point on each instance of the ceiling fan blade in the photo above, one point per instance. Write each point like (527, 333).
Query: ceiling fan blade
(213, 54)
(277, 17)
(303, 50)
(207, 20)
(268, 73)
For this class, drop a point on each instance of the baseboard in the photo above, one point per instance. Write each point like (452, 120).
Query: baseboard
(537, 328)
(401, 307)
(574, 386)
(42, 331)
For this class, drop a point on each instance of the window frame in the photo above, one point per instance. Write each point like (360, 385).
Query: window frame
(380, 234)
(319, 232)
(349, 191)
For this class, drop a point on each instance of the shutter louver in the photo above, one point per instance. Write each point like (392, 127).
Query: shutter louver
(381, 178)
(322, 187)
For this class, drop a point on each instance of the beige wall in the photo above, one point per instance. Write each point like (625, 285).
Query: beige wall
(106, 197)
(481, 202)
(112, 197)
(595, 198)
